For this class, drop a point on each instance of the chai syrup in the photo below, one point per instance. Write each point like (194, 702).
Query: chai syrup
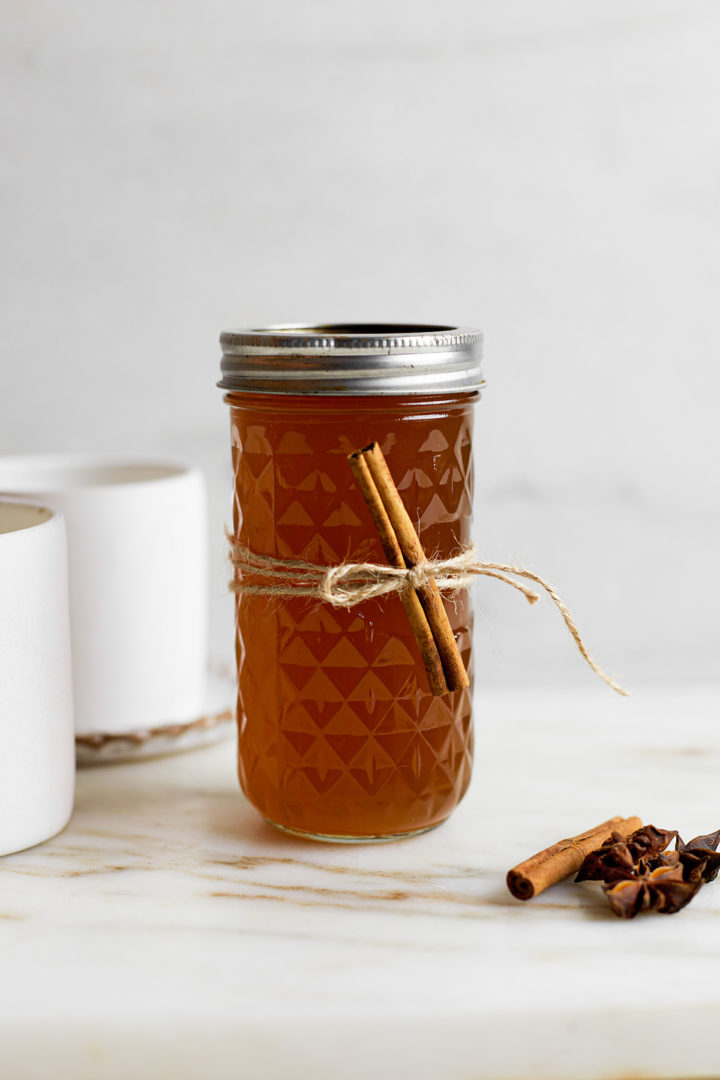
(339, 736)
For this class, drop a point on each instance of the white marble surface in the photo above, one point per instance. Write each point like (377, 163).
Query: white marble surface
(169, 933)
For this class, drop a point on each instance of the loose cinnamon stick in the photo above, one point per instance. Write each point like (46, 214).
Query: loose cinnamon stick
(566, 857)
(412, 553)
(393, 554)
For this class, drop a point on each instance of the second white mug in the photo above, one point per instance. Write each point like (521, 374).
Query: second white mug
(137, 539)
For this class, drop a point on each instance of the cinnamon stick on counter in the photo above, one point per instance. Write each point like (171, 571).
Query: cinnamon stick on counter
(400, 541)
(566, 857)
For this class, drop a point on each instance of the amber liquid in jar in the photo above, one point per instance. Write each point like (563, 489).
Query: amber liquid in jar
(339, 736)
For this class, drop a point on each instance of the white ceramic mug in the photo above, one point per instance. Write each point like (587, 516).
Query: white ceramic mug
(37, 741)
(137, 539)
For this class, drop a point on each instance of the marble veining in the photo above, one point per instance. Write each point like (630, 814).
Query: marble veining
(169, 932)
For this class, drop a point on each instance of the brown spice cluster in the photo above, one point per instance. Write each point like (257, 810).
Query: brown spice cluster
(638, 874)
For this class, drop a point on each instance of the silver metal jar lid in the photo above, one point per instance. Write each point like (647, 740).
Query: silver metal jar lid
(352, 359)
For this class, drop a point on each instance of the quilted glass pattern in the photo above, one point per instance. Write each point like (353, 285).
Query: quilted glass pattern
(338, 733)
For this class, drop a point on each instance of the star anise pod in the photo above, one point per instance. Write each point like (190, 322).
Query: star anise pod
(663, 889)
(649, 841)
(699, 857)
(611, 862)
(616, 859)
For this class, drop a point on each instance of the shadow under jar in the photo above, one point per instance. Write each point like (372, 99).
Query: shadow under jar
(339, 736)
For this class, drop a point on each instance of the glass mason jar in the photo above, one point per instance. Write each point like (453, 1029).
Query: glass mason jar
(339, 736)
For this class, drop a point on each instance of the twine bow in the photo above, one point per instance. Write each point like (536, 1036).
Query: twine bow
(349, 584)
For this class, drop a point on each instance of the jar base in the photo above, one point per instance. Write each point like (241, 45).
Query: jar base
(328, 838)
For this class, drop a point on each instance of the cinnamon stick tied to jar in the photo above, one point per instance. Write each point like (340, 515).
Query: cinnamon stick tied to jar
(566, 857)
(401, 544)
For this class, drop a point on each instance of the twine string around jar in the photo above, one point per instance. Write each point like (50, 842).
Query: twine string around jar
(346, 585)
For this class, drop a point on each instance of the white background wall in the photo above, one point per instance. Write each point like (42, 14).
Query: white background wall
(548, 171)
